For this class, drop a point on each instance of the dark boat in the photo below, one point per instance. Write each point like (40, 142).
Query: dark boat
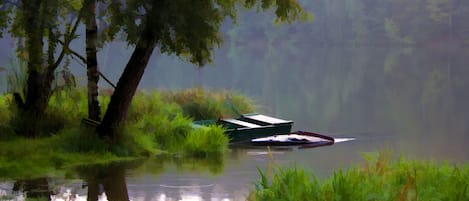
(250, 126)
(299, 138)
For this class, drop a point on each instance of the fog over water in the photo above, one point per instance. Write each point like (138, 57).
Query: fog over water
(390, 74)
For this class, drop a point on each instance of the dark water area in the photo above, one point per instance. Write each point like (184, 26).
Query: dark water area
(410, 101)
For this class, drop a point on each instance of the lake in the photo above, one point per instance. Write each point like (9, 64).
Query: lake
(411, 101)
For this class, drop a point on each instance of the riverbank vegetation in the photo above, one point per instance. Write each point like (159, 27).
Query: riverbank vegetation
(381, 178)
(159, 122)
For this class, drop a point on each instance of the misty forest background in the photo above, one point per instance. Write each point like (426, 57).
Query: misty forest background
(355, 52)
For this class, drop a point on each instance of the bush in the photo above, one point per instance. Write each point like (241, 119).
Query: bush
(204, 142)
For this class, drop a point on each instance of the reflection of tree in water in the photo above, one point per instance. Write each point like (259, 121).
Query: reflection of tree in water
(34, 188)
(108, 179)
(111, 179)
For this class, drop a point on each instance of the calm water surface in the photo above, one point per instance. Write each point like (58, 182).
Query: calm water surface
(411, 101)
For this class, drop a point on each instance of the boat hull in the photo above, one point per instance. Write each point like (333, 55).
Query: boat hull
(298, 138)
(250, 126)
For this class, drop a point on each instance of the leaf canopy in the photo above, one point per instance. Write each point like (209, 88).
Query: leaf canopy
(186, 28)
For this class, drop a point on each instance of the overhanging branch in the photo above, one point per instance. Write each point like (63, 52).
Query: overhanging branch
(83, 59)
(67, 39)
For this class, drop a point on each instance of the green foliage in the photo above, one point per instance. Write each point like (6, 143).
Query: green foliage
(81, 140)
(155, 125)
(379, 179)
(166, 119)
(204, 142)
(65, 109)
(5, 114)
(201, 104)
(23, 158)
(4, 15)
(187, 29)
(287, 184)
(33, 21)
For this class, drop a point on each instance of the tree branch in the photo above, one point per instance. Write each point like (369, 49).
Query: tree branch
(83, 59)
(67, 39)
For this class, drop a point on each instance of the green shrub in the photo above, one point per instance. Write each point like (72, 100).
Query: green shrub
(204, 142)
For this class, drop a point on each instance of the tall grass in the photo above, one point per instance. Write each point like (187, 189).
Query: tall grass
(16, 75)
(155, 124)
(200, 104)
(380, 179)
(205, 142)
(5, 116)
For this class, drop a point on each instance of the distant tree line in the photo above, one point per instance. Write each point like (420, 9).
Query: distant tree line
(368, 23)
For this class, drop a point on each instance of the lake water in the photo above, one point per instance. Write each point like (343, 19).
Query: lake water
(413, 102)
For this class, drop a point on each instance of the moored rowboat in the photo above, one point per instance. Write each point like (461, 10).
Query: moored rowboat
(303, 138)
(249, 126)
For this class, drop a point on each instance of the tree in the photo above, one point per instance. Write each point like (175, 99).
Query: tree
(94, 111)
(189, 29)
(39, 27)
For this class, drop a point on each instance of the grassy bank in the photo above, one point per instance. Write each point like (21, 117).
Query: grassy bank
(380, 179)
(157, 123)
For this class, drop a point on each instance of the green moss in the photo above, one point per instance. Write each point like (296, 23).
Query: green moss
(379, 179)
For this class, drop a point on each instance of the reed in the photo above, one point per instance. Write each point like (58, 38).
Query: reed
(199, 104)
(380, 179)
(16, 75)
(204, 142)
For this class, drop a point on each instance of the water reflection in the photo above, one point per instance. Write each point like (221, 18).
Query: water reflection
(33, 188)
(111, 182)
(108, 179)
(416, 96)
(411, 101)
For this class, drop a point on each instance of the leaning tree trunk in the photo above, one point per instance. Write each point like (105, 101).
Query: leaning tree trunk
(125, 89)
(94, 111)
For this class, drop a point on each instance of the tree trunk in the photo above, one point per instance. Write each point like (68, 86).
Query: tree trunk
(115, 185)
(125, 89)
(38, 86)
(34, 102)
(40, 67)
(34, 188)
(94, 111)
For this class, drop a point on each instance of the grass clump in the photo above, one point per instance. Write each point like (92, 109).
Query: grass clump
(380, 179)
(287, 184)
(206, 141)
